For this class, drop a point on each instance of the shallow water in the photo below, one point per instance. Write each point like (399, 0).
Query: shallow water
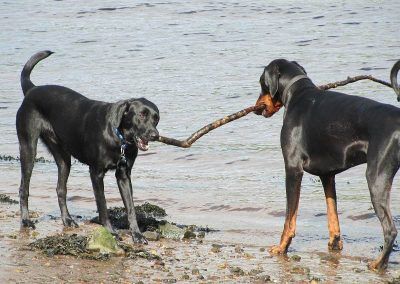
(199, 61)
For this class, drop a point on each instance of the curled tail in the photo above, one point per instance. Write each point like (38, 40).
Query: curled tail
(26, 82)
(393, 79)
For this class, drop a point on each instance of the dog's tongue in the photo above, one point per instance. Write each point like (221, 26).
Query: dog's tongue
(142, 145)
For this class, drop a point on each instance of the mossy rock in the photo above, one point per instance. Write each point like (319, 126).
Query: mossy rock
(103, 241)
(171, 231)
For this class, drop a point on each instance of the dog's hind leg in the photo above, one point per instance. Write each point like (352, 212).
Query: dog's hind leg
(63, 161)
(28, 130)
(335, 242)
(381, 170)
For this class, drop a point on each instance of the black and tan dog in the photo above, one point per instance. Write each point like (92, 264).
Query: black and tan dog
(325, 133)
(103, 135)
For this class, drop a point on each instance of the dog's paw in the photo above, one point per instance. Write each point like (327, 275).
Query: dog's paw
(27, 223)
(377, 265)
(335, 244)
(139, 238)
(69, 222)
(276, 250)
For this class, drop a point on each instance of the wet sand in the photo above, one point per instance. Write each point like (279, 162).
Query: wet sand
(207, 260)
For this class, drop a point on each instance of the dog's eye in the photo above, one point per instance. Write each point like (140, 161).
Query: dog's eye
(143, 114)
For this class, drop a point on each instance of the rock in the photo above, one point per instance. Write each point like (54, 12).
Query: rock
(262, 249)
(103, 241)
(201, 234)
(12, 236)
(263, 279)
(195, 271)
(151, 236)
(330, 258)
(171, 231)
(256, 271)
(189, 235)
(315, 280)
(237, 271)
(295, 258)
(216, 248)
(300, 270)
(238, 249)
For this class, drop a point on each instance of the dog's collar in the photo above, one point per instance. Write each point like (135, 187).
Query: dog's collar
(122, 159)
(119, 135)
(290, 84)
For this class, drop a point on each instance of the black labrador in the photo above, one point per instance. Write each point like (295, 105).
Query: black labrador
(325, 133)
(105, 136)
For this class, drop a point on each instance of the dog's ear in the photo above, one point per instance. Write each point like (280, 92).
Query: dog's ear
(301, 67)
(272, 78)
(117, 112)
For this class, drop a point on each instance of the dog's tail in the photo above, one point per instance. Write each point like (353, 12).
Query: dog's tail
(26, 82)
(393, 79)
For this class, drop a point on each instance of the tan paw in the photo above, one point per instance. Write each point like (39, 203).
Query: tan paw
(335, 243)
(275, 250)
(377, 265)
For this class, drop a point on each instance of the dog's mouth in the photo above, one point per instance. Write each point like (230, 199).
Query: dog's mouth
(271, 106)
(141, 143)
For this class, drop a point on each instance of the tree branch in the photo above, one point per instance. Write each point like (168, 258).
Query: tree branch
(204, 130)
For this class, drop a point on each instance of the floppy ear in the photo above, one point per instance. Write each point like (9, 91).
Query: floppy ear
(117, 112)
(272, 78)
(301, 67)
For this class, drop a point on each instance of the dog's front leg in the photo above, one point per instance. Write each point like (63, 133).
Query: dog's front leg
(97, 177)
(293, 184)
(125, 188)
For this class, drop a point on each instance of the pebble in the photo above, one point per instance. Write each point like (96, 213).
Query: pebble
(185, 277)
(151, 236)
(295, 258)
(256, 271)
(201, 235)
(263, 279)
(237, 271)
(195, 271)
(216, 248)
(300, 270)
(238, 249)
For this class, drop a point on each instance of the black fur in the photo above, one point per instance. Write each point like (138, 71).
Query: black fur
(70, 124)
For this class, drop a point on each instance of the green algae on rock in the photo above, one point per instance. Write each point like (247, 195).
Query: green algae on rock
(103, 241)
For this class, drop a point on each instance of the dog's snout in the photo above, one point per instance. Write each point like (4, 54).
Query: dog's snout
(153, 135)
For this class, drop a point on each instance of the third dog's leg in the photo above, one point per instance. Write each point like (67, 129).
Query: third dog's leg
(293, 184)
(98, 188)
(125, 188)
(335, 243)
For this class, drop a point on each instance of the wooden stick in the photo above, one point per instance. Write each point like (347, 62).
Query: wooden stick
(352, 80)
(204, 130)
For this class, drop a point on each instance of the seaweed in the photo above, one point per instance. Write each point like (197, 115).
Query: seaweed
(6, 199)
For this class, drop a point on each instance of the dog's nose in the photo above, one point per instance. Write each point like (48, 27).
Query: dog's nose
(154, 135)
